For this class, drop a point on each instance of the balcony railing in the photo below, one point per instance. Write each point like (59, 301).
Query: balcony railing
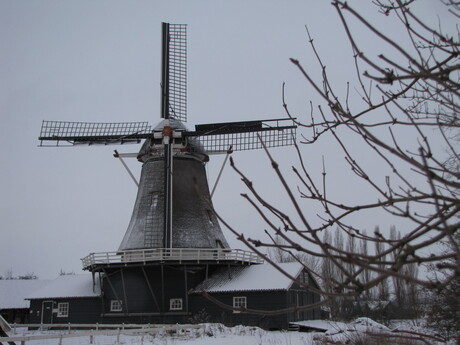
(179, 255)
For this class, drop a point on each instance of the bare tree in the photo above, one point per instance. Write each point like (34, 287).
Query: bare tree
(407, 116)
(444, 305)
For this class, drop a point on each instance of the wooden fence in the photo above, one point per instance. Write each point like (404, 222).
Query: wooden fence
(93, 330)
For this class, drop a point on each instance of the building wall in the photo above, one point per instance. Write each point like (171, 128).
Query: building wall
(150, 292)
(261, 300)
(81, 310)
(298, 295)
(297, 298)
(15, 315)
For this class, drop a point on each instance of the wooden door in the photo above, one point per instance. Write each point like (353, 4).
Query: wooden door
(47, 312)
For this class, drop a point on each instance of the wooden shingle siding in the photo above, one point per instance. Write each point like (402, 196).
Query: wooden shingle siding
(81, 310)
(271, 300)
(151, 291)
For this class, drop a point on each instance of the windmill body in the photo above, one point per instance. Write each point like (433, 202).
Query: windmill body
(194, 224)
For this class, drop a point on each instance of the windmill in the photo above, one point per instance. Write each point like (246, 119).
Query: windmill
(173, 241)
(172, 208)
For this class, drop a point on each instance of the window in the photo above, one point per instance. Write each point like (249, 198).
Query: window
(239, 302)
(209, 216)
(175, 304)
(116, 305)
(305, 279)
(63, 310)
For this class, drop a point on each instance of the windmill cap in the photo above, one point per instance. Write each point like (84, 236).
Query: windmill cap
(192, 146)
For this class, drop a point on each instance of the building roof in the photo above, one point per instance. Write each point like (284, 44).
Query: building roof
(65, 286)
(14, 291)
(251, 278)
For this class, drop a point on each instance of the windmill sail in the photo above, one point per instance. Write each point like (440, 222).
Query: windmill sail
(248, 135)
(62, 133)
(174, 72)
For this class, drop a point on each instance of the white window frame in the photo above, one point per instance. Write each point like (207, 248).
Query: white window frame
(116, 305)
(175, 304)
(63, 309)
(239, 302)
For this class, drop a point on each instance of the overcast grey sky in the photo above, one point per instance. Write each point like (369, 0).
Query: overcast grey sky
(100, 61)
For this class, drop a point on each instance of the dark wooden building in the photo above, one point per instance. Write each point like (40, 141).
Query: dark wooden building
(258, 287)
(69, 298)
(173, 294)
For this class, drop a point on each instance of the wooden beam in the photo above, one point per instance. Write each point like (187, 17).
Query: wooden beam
(162, 289)
(111, 286)
(125, 301)
(186, 289)
(150, 289)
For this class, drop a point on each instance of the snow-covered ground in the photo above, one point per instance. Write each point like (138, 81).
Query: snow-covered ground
(212, 334)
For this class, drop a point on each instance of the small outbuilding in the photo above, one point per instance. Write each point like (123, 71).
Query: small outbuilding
(72, 298)
(257, 287)
(14, 307)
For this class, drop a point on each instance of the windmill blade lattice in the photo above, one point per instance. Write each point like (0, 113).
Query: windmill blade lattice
(248, 135)
(64, 133)
(174, 72)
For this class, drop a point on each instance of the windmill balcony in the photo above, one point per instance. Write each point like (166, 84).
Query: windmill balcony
(177, 255)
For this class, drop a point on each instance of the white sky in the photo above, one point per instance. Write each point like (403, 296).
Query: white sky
(100, 61)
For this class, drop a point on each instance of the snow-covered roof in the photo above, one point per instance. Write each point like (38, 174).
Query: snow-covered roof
(14, 291)
(251, 278)
(72, 285)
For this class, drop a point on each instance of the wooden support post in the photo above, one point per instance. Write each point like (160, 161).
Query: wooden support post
(102, 293)
(162, 289)
(186, 289)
